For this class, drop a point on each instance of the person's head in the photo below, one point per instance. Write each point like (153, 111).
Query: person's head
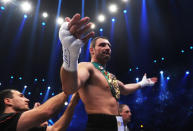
(100, 50)
(125, 112)
(13, 101)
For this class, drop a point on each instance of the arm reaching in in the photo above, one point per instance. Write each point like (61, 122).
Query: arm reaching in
(36, 105)
(64, 121)
(130, 88)
(42, 113)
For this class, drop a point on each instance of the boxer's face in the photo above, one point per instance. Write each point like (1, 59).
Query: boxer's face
(102, 49)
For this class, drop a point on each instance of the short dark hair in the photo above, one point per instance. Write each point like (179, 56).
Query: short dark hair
(93, 42)
(121, 107)
(7, 93)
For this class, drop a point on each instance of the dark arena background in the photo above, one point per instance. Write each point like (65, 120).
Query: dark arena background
(147, 36)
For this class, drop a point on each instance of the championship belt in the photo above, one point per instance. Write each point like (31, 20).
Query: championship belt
(111, 79)
(114, 84)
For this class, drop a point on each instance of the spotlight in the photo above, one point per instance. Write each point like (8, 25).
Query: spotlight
(101, 18)
(29, 93)
(0, 84)
(113, 19)
(161, 72)
(43, 80)
(113, 8)
(41, 94)
(11, 77)
(182, 51)
(141, 126)
(25, 16)
(2, 8)
(60, 20)
(65, 103)
(168, 78)
(187, 72)
(6, 1)
(130, 69)
(101, 29)
(35, 79)
(45, 14)
(52, 94)
(43, 23)
(125, 1)
(20, 78)
(49, 87)
(124, 11)
(26, 6)
(191, 47)
(155, 61)
(137, 79)
(162, 58)
(25, 86)
(137, 68)
(93, 26)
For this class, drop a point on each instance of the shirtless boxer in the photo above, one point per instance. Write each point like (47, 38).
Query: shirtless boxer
(98, 89)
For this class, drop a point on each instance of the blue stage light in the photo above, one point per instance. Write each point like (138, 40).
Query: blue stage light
(155, 61)
(2, 8)
(187, 72)
(137, 68)
(162, 58)
(41, 94)
(52, 94)
(25, 86)
(168, 78)
(25, 16)
(137, 79)
(29, 93)
(130, 69)
(49, 87)
(43, 80)
(50, 122)
(43, 23)
(20, 78)
(101, 29)
(113, 19)
(161, 72)
(182, 51)
(35, 79)
(12, 77)
(191, 47)
(124, 11)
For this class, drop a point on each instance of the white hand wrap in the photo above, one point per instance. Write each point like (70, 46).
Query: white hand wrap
(71, 48)
(146, 82)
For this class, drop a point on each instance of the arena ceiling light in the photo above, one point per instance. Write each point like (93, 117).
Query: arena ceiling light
(6, 1)
(44, 14)
(101, 18)
(59, 20)
(113, 8)
(125, 1)
(26, 6)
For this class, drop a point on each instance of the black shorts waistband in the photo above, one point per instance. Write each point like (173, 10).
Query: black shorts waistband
(102, 122)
